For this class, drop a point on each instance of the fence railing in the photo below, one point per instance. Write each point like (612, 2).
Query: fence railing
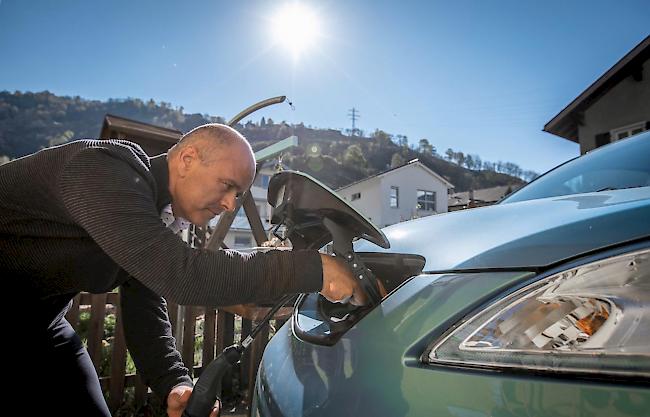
(206, 332)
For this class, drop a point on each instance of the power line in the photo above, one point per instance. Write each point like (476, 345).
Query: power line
(354, 115)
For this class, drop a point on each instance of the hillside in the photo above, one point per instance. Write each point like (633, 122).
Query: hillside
(32, 121)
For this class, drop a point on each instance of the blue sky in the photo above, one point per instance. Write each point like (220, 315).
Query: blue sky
(482, 77)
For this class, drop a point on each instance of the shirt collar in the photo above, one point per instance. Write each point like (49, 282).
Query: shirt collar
(176, 224)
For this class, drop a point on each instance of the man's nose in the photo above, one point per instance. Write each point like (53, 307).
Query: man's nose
(229, 202)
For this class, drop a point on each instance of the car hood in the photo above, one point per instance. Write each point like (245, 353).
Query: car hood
(529, 234)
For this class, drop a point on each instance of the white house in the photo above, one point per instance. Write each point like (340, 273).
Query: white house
(403, 193)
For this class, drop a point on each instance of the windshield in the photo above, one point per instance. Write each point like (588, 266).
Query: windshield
(624, 164)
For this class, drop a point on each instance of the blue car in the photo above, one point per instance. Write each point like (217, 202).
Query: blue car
(537, 306)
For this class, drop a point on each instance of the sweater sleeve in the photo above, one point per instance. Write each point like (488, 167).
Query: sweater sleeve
(149, 336)
(115, 205)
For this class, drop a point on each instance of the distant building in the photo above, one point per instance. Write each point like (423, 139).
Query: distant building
(403, 193)
(614, 107)
(479, 198)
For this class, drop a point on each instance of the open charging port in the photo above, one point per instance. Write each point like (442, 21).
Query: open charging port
(320, 321)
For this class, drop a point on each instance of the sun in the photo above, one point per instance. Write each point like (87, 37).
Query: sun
(296, 28)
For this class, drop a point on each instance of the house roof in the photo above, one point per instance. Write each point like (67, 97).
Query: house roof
(414, 162)
(565, 124)
(485, 195)
(140, 129)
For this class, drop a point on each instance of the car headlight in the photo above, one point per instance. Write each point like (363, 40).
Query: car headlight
(594, 318)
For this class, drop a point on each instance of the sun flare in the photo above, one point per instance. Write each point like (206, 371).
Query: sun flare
(296, 28)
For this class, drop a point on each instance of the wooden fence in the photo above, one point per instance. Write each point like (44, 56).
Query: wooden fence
(218, 332)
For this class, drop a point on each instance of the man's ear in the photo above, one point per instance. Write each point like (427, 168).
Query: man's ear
(188, 157)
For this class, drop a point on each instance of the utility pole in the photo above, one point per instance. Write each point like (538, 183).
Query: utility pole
(354, 115)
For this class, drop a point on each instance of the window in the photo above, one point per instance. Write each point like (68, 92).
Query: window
(243, 241)
(394, 197)
(627, 131)
(426, 200)
(356, 196)
(621, 165)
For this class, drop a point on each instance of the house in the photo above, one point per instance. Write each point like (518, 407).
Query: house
(402, 193)
(614, 107)
(479, 198)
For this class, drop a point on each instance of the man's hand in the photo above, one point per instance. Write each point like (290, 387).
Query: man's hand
(177, 401)
(338, 282)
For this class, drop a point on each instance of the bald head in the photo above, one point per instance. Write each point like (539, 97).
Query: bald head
(208, 168)
(210, 140)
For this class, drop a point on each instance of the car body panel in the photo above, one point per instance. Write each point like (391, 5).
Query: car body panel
(526, 234)
(375, 368)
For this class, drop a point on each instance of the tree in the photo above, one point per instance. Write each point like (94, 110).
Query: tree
(61, 139)
(402, 141)
(381, 138)
(397, 160)
(478, 164)
(425, 147)
(450, 154)
(460, 158)
(529, 175)
(512, 169)
(353, 157)
(469, 161)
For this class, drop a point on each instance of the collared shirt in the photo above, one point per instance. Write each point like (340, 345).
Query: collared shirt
(173, 223)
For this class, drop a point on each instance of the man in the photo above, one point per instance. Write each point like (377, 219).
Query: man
(86, 216)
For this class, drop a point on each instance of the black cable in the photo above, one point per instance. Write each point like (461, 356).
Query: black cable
(249, 339)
